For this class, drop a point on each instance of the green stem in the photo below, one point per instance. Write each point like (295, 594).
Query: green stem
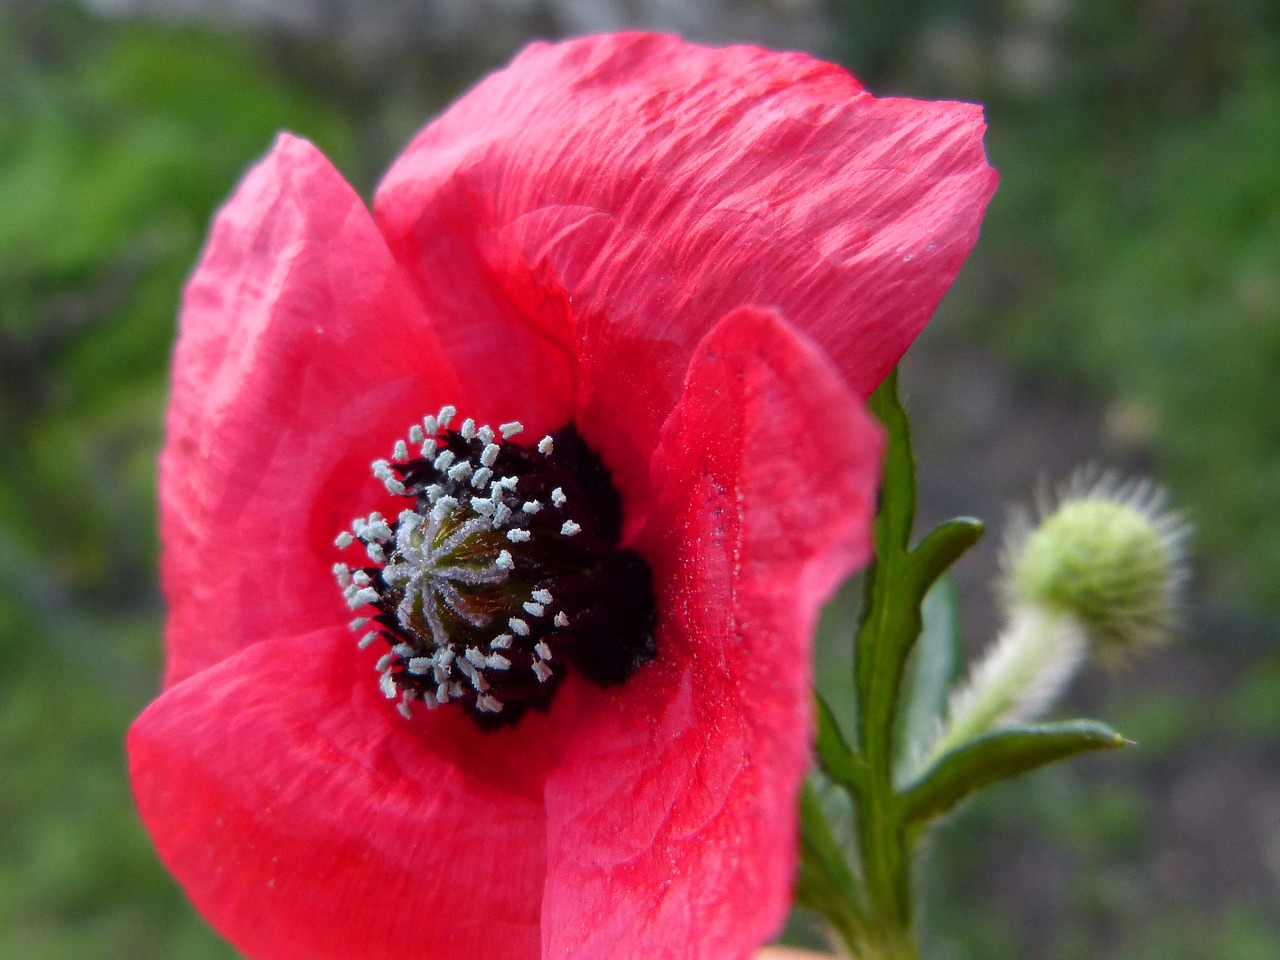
(886, 864)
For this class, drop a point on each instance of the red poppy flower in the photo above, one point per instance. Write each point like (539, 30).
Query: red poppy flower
(673, 260)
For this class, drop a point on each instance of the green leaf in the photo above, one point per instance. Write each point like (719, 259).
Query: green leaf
(890, 621)
(997, 756)
(934, 669)
(898, 488)
(839, 761)
(942, 547)
(826, 883)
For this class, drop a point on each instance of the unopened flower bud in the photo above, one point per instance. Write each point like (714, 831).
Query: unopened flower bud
(1109, 555)
(1101, 570)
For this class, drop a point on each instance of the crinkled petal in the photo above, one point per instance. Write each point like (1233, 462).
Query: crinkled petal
(610, 197)
(307, 820)
(671, 819)
(302, 355)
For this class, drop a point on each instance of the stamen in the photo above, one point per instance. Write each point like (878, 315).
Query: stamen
(462, 580)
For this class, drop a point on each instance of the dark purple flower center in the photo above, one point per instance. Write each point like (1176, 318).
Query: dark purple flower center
(502, 571)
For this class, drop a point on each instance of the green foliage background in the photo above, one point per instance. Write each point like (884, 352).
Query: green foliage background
(1133, 254)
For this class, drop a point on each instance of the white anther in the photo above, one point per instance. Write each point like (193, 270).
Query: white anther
(357, 623)
(367, 640)
(385, 661)
(343, 573)
(375, 553)
(481, 477)
(378, 529)
(504, 561)
(488, 704)
(415, 433)
(443, 461)
(541, 671)
(361, 597)
(455, 688)
(401, 451)
(542, 596)
(501, 514)
(403, 706)
(460, 471)
(381, 469)
(509, 430)
(434, 492)
(496, 661)
(402, 650)
(388, 685)
(518, 627)
(475, 656)
(421, 665)
(360, 578)
(561, 620)
(542, 650)
(533, 609)
(446, 414)
(442, 692)
(546, 445)
(429, 425)
(485, 434)
(501, 642)
(343, 540)
(569, 528)
(428, 448)
(358, 525)
(507, 483)
(468, 430)
(532, 506)
(483, 507)
(558, 497)
(443, 507)
(394, 487)
(489, 454)
(518, 535)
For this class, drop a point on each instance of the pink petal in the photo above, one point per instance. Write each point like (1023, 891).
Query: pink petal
(671, 819)
(307, 820)
(302, 356)
(611, 197)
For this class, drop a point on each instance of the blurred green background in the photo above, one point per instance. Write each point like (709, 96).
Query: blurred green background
(1123, 306)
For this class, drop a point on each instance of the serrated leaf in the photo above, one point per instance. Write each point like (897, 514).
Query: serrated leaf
(837, 758)
(826, 883)
(999, 755)
(934, 668)
(898, 488)
(942, 547)
(891, 621)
